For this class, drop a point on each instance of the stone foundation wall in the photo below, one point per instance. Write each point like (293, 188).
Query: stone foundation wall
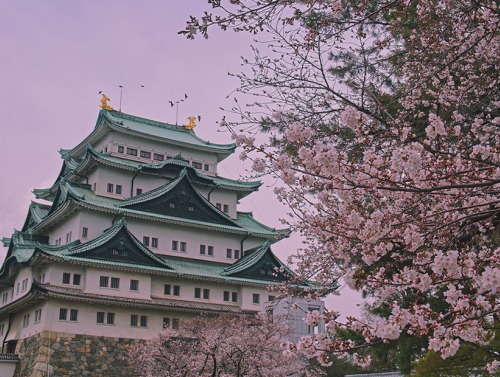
(61, 354)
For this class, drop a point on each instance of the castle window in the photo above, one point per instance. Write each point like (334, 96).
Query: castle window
(38, 315)
(226, 295)
(134, 285)
(236, 254)
(132, 151)
(234, 296)
(134, 318)
(197, 165)
(167, 289)
(202, 249)
(138, 191)
(206, 167)
(154, 242)
(256, 298)
(76, 279)
(226, 208)
(73, 315)
(171, 204)
(145, 241)
(111, 318)
(68, 237)
(103, 281)
(111, 188)
(63, 314)
(66, 278)
(177, 290)
(26, 320)
(206, 294)
(118, 189)
(2, 328)
(158, 157)
(271, 298)
(183, 246)
(144, 321)
(191, 208)
(120, 149)
(5, 296)
(175, 323)
(197, 293)
(210, 250)
(85, 232)
(115, 283)
(166, 323)
(145, 154)
(219, 206)
(175, 245)
(229, 253)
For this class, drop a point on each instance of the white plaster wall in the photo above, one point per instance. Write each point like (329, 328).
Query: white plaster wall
(70, 224)
(95, 222)
(92, 278)
(54, 274)
(247, 298)
(24, 273)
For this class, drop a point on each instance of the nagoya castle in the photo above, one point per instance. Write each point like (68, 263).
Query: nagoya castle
(137, 233)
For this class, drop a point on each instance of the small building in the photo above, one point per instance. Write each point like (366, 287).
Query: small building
(138, 232)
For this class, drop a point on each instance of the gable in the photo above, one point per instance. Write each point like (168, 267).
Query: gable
(184, 202)
(266, 268)
(120, 248)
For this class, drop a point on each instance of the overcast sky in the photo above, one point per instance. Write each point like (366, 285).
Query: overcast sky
(56, 55)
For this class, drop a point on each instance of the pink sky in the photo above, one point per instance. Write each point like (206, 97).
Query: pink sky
(56, 55)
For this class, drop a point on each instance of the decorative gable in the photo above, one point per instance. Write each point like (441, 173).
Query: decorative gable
(179, 199)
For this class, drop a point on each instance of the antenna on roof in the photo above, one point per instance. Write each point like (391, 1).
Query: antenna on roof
(121, 93)
(176, 103)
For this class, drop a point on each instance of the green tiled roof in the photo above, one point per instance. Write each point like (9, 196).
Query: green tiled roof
(36, 213)
(164, 131)
(85, 197)
(114, 121)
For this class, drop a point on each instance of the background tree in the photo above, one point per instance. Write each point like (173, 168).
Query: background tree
(220, 346)
(384, 127)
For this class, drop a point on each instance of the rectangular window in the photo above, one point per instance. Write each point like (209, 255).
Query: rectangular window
(183, 246)
(85, 232)
(5, 297)
(138, 191)
(226, 295)
(177, 290)
(145, 241)
(226, 208)
(166, 323)
(206, 167)
(145, 154)
(236, 254)
(110, 188)
(175, 245)
(229, 253)
(175, 323)
(171, 204)
(115, 283)
(191, 208)
(132, 151)
(196, 165)
(210, 250)
(202, 249)
(111, 318)
(66, 278)
(134, 285)
(26, 320)
(167, 289)
(144, 321)
(17, 288)
(234, 296)
(197, 293)
(73, 315)
(206, 294)
(219, 206)
(118, 189)
(38, 315)
(2, 327)
(134, 320)
(103, 281)
(77, 279)
(271, 298)
(63, 314)
(256, 298)
(158, 157)
(154, 242)
(120, 149)
(100, 317)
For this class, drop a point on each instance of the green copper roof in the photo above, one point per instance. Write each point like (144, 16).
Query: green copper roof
(114, 121)
(36, 213)
(83, 196)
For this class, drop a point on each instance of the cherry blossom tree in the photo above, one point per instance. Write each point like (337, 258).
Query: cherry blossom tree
(220, 346)
(384, 127)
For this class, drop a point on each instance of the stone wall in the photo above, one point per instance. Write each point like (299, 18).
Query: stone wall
(62, 354)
